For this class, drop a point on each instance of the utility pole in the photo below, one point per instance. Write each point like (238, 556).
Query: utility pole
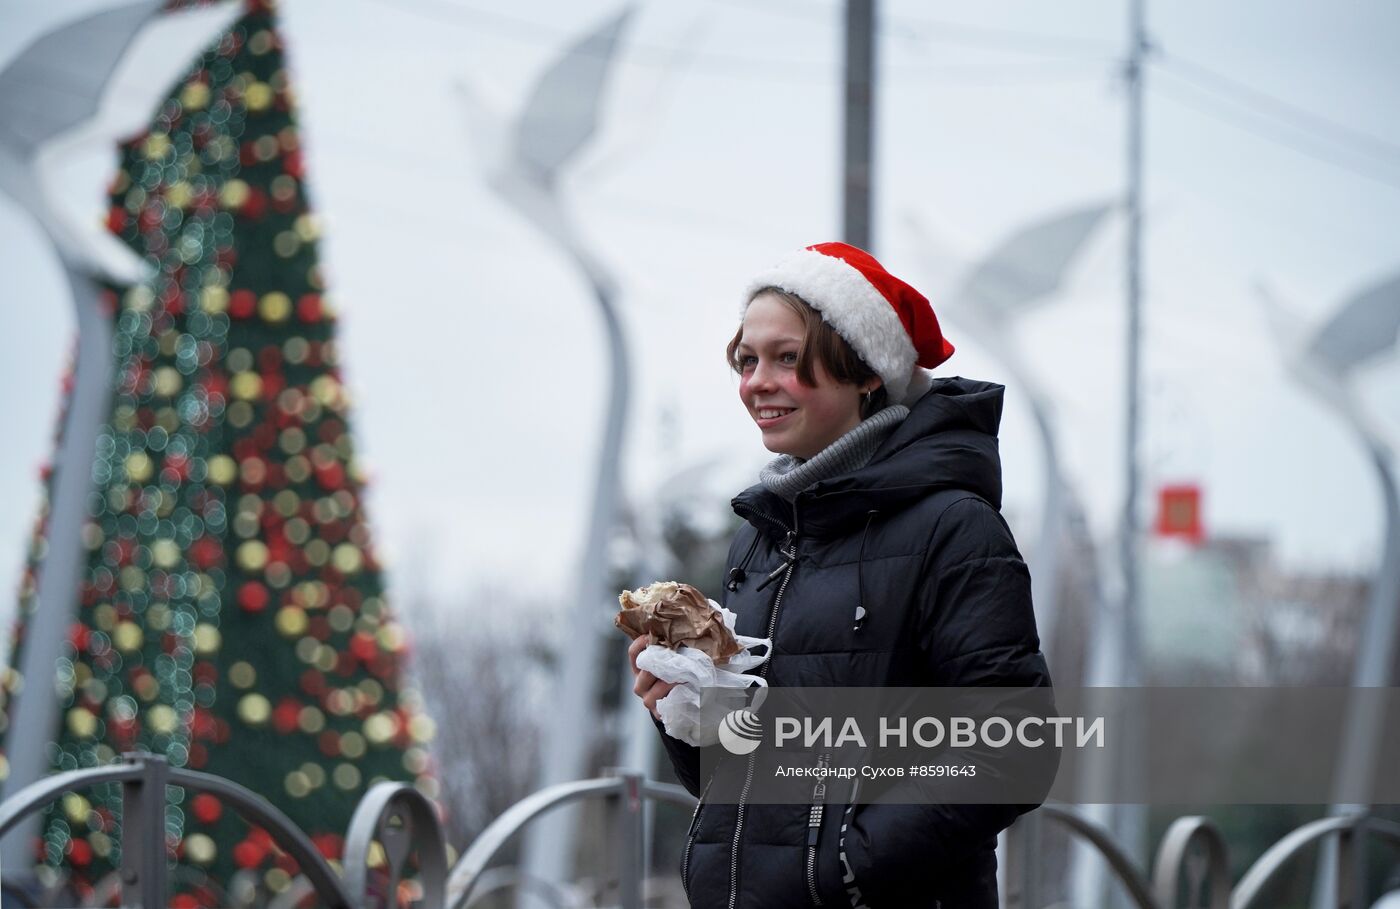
(1131, 826)
(860, 106)
(1128, 535)
(1116, 661)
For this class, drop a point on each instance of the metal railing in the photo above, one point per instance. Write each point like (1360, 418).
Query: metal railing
(395, 815)
(1193, 857)
(632, 789)
(1191, 862)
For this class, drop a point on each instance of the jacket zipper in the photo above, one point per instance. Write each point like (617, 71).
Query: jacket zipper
(690, 838)
(790, 552)
(814, 828)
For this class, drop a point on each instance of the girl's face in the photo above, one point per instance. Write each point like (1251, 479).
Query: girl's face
(795, 419)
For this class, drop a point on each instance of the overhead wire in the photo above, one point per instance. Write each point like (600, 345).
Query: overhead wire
(1207, 91)
(942, 30)
(797, 71)
(1277, 108)
(1238, 115)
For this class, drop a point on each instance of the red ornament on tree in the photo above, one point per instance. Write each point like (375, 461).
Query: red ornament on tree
(252, 596)
(207, 809)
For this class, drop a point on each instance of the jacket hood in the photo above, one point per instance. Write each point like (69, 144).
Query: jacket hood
(948, 441)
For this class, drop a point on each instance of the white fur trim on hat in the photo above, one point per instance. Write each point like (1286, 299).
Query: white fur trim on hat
(853, 306)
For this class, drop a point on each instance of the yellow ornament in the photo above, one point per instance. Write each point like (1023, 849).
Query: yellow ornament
(307, 227)
(200, 849)
(379, 728)
(326, 390)
(275, 306)
(76, 807)
(258, 96)
(346, 558)
(162, 718)
(246, 386)
(179, 194)
(277, 880)
(82, 723)
(195, 96)
(128, 637)
(165, 553)
(254, 709)
(206, 639)
(138, 467)
(156, 145)
(291, 622)
(392, 637)
(222, 470)
(252, 555)
(233, 194)
(213, 299)
(422, 728)
(167, 382)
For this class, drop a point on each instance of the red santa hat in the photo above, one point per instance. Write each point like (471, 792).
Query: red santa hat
(889, 324)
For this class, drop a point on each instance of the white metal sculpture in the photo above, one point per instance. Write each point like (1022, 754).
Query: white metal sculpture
(1324, 360)
(523, 162)
(54, 102)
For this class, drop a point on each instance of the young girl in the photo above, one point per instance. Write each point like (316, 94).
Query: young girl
(877, 529)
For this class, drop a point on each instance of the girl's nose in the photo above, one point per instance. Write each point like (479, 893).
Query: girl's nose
(762, 376)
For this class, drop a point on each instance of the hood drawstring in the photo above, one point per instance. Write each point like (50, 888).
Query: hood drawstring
(736, 575)
(860, 574)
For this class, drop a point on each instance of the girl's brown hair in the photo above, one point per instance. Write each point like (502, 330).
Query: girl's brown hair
(821, 343)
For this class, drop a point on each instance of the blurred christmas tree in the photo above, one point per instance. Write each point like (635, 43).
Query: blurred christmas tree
(232, 616)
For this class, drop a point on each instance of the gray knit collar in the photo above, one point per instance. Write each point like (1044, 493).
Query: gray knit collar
(786, 475)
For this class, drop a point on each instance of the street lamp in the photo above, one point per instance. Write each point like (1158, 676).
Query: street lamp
(1324, 361)
(53, 103)
(523, 162)
(1025, 269)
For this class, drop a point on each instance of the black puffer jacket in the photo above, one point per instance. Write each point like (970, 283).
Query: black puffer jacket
(916, 537)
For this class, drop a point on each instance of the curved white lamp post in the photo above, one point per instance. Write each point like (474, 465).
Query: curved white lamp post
(53, 103)
(524, 160)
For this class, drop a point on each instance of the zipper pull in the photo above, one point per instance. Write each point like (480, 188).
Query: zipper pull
(814, 813)
(772, 576)
(789, 550)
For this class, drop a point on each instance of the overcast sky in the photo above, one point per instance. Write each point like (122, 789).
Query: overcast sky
(475, 351)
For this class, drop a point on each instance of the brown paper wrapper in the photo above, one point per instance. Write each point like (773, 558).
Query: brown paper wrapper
(675, 614)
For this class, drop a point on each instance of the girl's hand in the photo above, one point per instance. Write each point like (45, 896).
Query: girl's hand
(646, 686)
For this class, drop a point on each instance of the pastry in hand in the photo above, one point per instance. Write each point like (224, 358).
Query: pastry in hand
(675, 614)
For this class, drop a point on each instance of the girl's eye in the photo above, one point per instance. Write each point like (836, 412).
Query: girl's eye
(789, 358)
(748, 361)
